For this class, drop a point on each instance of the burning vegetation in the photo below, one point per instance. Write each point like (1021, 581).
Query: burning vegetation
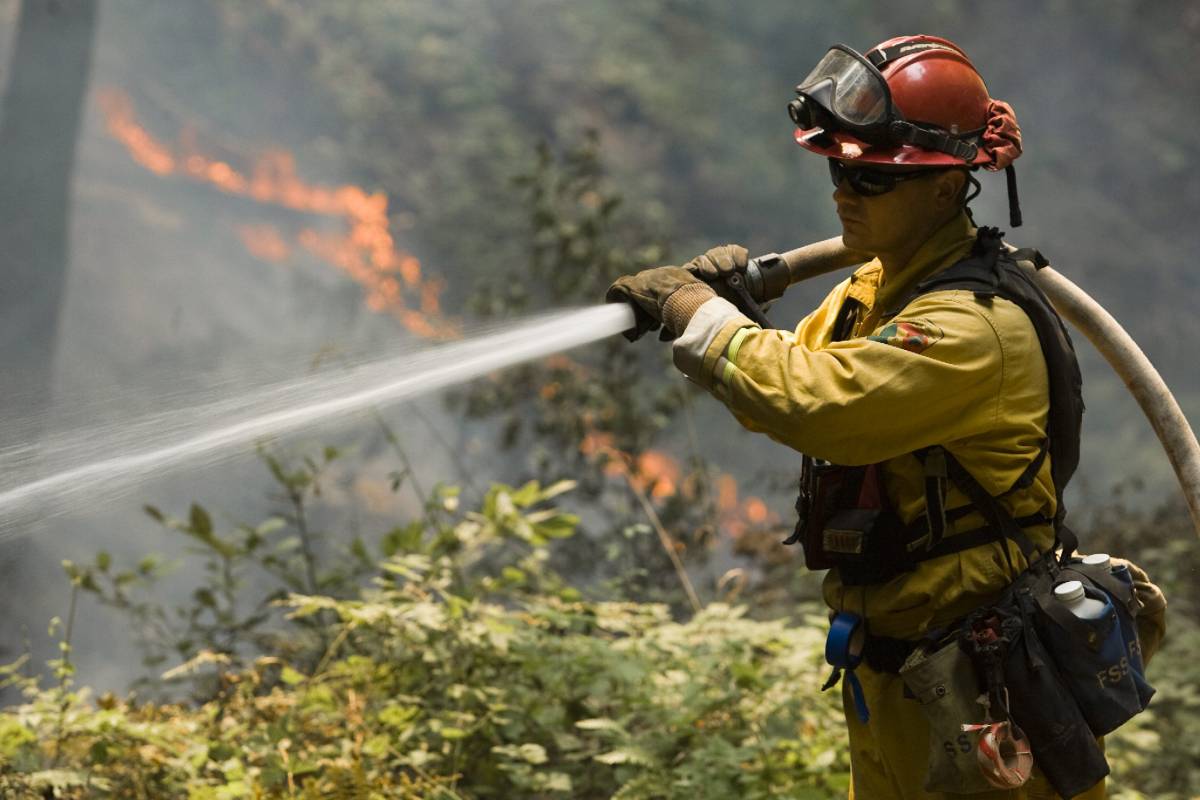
(391, 279)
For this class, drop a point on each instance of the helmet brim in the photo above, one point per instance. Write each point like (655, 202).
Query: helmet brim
(847, 147)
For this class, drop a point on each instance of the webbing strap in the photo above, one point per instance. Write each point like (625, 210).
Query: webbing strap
(1025, 480)
(1031, 255)
(1014, 201)
(930, 139)
(993, 513)
(976, 537)
(1105, 579)
(880, 56)
(934, 460)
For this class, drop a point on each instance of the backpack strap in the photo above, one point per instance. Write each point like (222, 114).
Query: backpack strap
(935, 494)
(940, 467)
(1030, 473)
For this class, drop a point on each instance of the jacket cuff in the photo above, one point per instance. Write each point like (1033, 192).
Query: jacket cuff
(703, 341)
(681, 305)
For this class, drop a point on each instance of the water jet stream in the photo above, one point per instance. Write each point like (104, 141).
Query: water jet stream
(214, 429)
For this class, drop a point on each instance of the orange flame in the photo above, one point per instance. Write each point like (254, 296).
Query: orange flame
(367, 252)
(145, 149)
(739, 515)
(659, 474)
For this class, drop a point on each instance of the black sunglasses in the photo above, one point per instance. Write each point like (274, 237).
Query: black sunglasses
(869, 182)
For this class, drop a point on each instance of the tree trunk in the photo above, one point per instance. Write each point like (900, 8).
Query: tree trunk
(39, 123)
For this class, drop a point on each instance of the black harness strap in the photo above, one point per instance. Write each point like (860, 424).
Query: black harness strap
(934, 461)
(977, 537)
(1025, 480)
(993, 513)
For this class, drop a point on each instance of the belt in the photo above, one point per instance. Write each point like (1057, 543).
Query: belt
(885, 654)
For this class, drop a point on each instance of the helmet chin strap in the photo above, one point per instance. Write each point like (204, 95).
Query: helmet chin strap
(971, 190)
(1014, 202)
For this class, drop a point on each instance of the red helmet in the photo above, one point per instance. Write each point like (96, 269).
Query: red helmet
(930, 109)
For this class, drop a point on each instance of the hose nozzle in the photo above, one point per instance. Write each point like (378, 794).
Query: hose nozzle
(767, 277)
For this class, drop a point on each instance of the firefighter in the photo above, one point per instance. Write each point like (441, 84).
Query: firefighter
(887, 376)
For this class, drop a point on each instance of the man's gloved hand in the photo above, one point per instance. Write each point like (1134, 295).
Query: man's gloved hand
(649, 292)
(719, 263)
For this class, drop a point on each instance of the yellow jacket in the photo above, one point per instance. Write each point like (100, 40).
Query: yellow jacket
(947, 369)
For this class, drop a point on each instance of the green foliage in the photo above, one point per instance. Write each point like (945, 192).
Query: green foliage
(225, 619)
(578, 246)
(595, 413)
(466, 669)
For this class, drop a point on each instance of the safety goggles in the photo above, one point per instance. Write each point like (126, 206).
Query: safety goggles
(846, 92)
(869, 182)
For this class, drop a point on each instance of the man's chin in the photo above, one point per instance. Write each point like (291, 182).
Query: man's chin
(853, 238)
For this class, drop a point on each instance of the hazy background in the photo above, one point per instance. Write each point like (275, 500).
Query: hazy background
(176, 279)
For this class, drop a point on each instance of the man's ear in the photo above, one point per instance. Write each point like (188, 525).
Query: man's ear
(949, 187)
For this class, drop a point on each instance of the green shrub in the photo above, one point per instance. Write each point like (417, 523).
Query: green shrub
(466, 669)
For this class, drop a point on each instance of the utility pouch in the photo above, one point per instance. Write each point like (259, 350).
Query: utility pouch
(845, 522)
(1118, 585)
(1063, 745)
(945, 682)
(824, 490)
(1093, 659)
(866, 544)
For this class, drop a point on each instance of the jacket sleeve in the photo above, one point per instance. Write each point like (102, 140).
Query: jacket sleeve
(929, 376)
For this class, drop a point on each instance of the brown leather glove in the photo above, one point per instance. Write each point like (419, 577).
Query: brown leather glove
(648, 292)
(719, 263)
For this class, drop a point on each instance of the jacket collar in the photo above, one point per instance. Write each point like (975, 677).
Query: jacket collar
(948, 245)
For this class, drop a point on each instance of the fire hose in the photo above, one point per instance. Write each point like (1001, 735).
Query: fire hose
(768, 276)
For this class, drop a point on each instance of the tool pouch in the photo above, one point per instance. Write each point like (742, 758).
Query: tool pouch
(1094, 659)
(945, 682)
(1064, 747)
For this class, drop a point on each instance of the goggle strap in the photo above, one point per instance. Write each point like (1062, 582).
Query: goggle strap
(927, 139)
(879, 57)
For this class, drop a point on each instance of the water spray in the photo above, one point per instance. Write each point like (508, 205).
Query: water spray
(206, 432)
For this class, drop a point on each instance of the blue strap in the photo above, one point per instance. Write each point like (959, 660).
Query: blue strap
(843, 650)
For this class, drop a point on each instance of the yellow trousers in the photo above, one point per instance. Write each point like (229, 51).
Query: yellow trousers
(889, 755)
